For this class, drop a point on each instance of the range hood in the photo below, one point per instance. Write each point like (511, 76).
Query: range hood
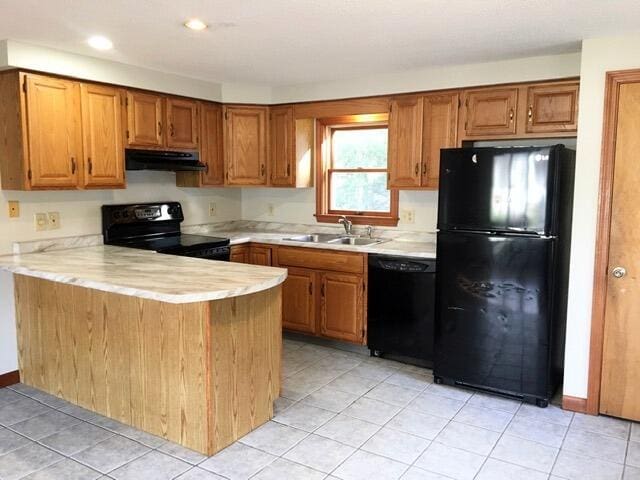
(163, 160)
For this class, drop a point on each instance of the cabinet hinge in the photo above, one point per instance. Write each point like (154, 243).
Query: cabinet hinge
(466, 103)
(29, 175)
(24, 85)
(390, 107)
(126, 101)
(459, 102)
(127, 134)
(226, 115)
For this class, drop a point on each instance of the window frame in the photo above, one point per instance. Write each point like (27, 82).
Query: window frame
(325, 127)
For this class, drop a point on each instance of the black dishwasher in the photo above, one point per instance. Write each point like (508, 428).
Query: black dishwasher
(401, 308)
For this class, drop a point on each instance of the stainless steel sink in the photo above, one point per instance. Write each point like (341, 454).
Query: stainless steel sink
(314, 238)
(356, 241)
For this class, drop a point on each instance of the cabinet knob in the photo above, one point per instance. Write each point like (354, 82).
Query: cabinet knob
(417, 169)
(262, 170)
(171, 129)
(511, 115)
(90, 165)
(530, 113)
(424, 169)
(619, 272)
(73, 165)
(159, 128)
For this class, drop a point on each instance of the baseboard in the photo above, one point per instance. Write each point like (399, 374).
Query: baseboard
(574, 404)
(9, 378)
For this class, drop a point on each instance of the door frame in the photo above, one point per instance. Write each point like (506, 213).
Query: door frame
(614, 80)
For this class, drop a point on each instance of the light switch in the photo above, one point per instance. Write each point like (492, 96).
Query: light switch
(41, 221)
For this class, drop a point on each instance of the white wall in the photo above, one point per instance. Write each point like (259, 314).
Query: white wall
(598, 57)
(8, 343)
(451, 76)
(299, 206)
(80, 211)
(23, 55)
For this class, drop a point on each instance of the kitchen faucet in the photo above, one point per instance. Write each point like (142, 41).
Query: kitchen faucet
(347, 224)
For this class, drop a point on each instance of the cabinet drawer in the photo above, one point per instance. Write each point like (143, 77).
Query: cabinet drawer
(321, 259)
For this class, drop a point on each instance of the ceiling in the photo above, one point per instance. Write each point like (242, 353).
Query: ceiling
(288, 42)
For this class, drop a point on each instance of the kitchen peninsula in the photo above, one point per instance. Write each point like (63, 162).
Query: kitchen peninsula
(183, 348)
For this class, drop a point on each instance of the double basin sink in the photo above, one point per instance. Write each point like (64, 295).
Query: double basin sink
(333, 239)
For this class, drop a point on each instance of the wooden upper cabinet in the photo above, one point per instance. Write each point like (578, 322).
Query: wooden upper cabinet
(282, 135)
(419, 126)
(246, 145)
(144, 120)
(552, 108)
(342, 311)
(211, 153)
(182, 123)
(439, 130)
(54, 131)
(491, 112)
(405, 142)
(102, 136)
(298, 300)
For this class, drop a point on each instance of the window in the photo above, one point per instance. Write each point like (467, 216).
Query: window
(353, 171)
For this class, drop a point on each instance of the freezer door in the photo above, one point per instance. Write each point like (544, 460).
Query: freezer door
(493, 311)
(497, 189)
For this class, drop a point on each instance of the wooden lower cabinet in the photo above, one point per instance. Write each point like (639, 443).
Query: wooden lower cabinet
(239, 254)
(298, 300)
(259, 255)
(342, 306)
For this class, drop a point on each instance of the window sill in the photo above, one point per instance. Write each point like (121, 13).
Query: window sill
(359, 219)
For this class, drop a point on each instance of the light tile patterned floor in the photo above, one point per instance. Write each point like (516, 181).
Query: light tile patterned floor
(342, 416)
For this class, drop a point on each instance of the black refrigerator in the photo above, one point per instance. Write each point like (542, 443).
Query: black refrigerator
(504, 234)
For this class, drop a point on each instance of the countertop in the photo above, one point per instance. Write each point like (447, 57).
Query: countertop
(145, 274)
(390, 247)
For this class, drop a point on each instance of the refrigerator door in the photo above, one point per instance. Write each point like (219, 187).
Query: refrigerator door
(498, 189)
(493, 311)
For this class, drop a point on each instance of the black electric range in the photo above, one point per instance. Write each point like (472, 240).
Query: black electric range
(156, 227)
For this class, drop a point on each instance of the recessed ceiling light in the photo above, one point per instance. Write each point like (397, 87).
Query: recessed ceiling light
(195, 24)
(100, 43)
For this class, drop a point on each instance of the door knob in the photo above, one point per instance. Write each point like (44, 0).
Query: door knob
(619, 272)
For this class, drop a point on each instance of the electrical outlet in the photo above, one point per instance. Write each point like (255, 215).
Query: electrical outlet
(408, 216)
(54, 220)
(270, 209)
(14, 209)
(41, 221)
(212, 209)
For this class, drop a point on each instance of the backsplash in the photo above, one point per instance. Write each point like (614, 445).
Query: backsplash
(62, 243)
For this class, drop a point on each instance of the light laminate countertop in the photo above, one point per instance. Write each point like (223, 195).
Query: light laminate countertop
(391, 247)
(145, 274)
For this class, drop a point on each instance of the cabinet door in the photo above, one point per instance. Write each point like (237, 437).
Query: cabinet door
(439, 130)
(239, 254)
(182, 123)
(298, 300)
(211, 153)
(491, 112)
(282, 129)
(54, 132)
(405, 142)
(144, 120)
(552, 108)
(342, 307)
(260, 256)
(245, 146)
(102, 136)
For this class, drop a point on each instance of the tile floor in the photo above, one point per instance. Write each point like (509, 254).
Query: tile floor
(341, 416)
